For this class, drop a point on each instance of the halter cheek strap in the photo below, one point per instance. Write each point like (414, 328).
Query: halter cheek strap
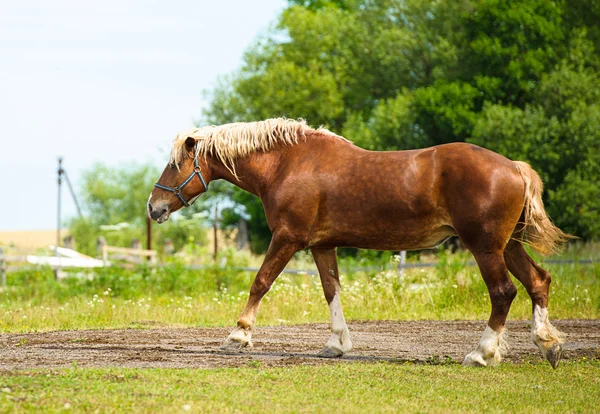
(177, 190)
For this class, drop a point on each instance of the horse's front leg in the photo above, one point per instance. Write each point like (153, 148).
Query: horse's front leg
(278, 255)
(339, 343)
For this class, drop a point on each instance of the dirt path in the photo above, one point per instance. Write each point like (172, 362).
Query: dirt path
(277, 345)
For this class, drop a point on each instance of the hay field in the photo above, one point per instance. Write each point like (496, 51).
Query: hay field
(26, 241)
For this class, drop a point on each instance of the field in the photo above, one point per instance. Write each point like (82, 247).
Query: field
(79, 344)
(430, 342)
(27, 241)
(395, 366)
(178, 296)
(338, 388)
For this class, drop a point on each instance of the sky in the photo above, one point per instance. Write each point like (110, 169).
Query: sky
(108, 81)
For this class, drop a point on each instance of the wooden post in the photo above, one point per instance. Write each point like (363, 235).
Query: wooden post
(215, 227)
(401, 264)
(148, 233)
(2, 267)
(241, 238)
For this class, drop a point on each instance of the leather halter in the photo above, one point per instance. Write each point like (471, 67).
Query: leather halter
(177, 190)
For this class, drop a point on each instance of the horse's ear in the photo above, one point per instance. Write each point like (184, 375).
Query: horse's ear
(189, 143)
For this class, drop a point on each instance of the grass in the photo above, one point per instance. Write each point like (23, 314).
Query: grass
(177, 296)
(349, 387)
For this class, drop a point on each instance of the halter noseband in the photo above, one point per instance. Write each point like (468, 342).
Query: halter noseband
(177, 190)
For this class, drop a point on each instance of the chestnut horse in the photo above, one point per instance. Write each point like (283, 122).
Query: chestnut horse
(319, 191)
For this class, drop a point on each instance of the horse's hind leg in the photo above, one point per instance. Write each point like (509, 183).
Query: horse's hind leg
(339, 343)
(502, 292)
(537, 282)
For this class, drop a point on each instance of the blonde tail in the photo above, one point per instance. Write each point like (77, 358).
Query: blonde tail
(539, 232)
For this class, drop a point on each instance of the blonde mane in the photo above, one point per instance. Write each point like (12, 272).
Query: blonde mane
(232, 141)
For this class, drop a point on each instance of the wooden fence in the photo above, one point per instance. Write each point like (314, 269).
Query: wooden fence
(128, 254)
(67, 258)
(5, 260)
(131, 256)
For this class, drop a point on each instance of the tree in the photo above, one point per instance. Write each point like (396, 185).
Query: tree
(559, 135)
(517, 77)
(115, 195)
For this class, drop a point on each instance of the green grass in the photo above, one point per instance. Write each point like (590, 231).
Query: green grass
(176, 296)
(343, 388)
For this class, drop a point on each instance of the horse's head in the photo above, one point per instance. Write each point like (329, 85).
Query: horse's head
(183, 180)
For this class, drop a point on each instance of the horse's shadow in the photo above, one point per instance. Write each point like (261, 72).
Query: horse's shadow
(219, 352)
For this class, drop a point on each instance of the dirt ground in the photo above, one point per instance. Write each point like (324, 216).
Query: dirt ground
(419, 341)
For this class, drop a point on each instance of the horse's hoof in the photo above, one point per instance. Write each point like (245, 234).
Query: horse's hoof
(328, 352)
(553, 355)
(234, 346)
(474, 359)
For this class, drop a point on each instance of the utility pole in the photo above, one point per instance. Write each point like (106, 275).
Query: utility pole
(60, 173)
(63, 173)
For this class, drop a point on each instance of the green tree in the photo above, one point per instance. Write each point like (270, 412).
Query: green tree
(559, 134)
(518, 77)
(575, 201)
(115, 195)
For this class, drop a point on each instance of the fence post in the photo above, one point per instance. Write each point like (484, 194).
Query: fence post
(2, 266)
(215, 231)
(401, 264)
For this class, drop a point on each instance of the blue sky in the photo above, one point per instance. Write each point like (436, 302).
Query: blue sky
(107, 81)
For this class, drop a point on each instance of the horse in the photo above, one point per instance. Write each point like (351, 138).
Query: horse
(320, 192)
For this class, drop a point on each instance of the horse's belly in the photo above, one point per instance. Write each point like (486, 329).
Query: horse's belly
(403, 241)
(384, 235)
(383, 217)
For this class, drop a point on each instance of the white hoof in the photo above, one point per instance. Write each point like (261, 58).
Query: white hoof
(545, 336)
(339, 343)
(237, 340)
(328, 352)
(474, 359)
(488, 352)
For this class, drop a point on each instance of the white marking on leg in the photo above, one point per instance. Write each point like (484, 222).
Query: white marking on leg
(340, 336)
(241, 336)
(543, 334)
(489, 351)
(539, 320)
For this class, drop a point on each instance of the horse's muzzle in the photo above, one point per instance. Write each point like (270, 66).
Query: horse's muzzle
(160, 213)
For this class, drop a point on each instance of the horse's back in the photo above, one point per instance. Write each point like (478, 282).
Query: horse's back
(390, 200)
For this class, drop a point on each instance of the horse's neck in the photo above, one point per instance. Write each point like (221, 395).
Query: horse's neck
(259, 170)
(254, 172)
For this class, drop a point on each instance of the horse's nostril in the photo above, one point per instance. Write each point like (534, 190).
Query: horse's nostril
(158, 211)
(149, 207)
